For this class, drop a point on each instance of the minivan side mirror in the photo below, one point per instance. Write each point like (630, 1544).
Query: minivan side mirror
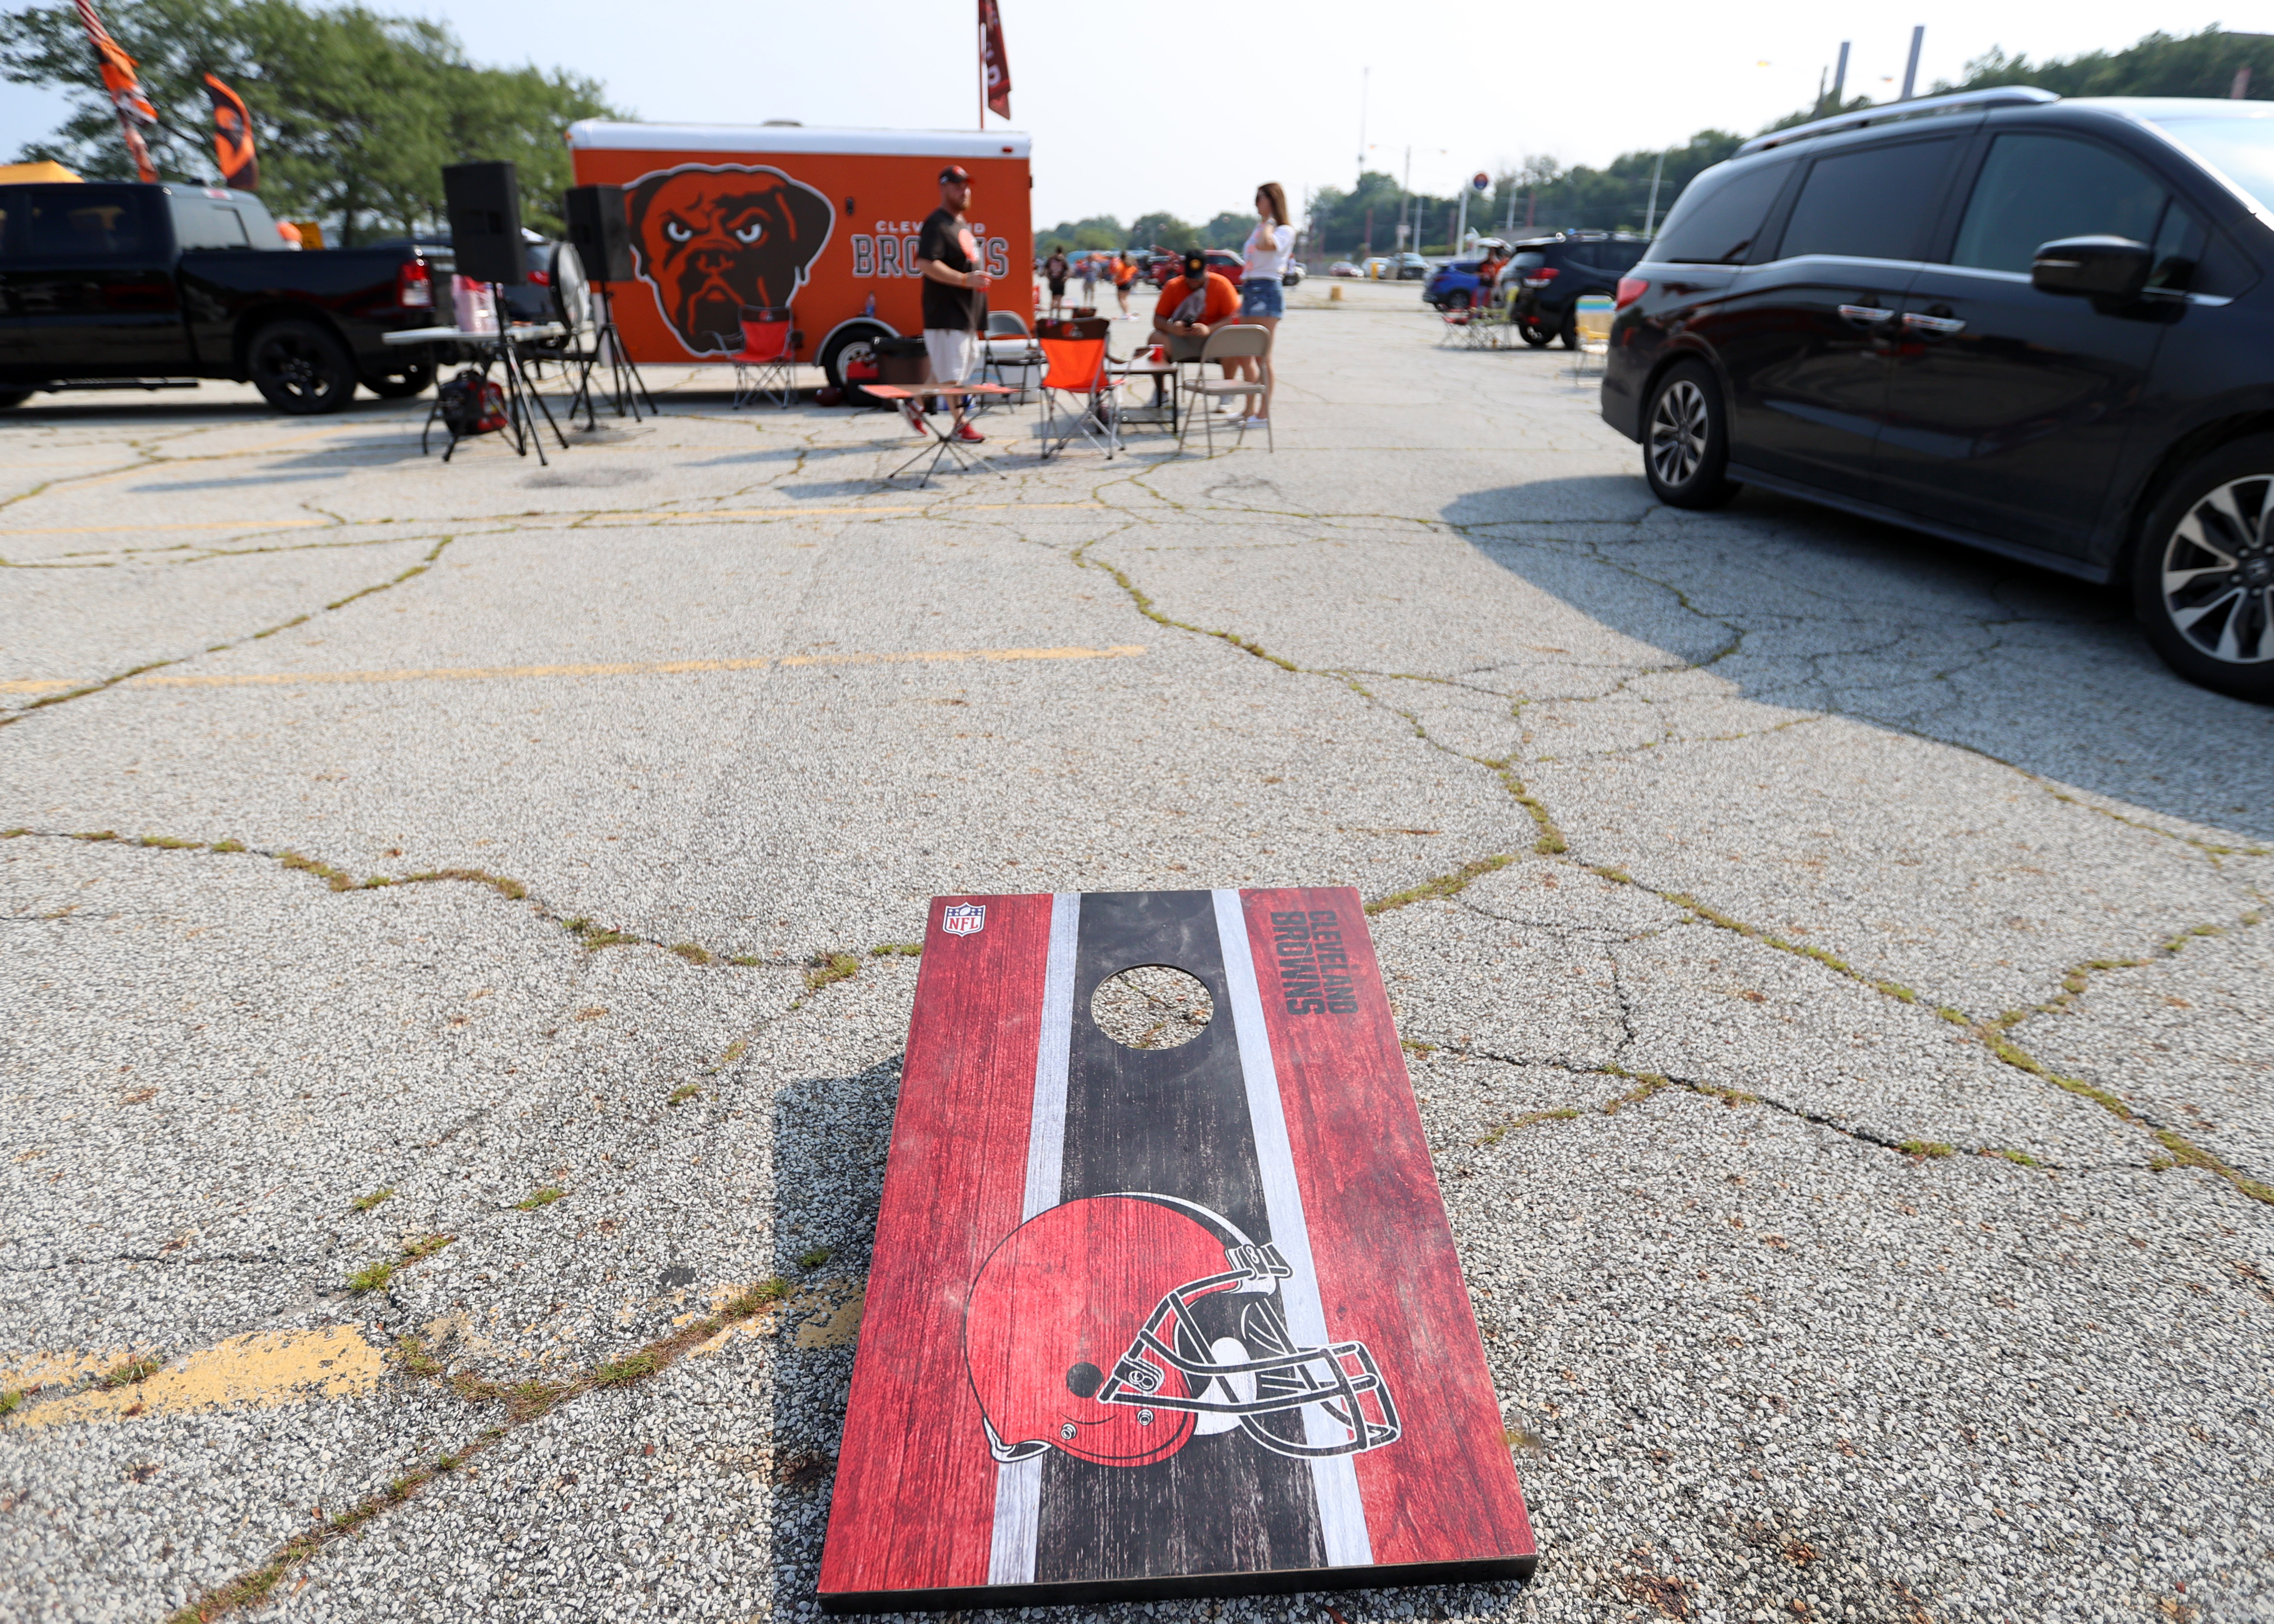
(2105, 267)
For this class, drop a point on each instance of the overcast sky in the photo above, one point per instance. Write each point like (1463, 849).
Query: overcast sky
(1127, 118)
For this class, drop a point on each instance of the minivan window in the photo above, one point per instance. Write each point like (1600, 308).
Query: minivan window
(2241, 149)
(1877, 203)
(2037, 188)
(1715, 220)
(88, 225)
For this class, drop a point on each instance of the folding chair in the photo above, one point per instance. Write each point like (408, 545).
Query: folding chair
(1078, 366)
(1008, 347)
(1230, 343)
(767, 363)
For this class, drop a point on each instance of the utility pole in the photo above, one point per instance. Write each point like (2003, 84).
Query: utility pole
(1365, 84)
(1819, 92)
(1404, 199)
(1650, 220)
(1840, 78)
(1910, 69)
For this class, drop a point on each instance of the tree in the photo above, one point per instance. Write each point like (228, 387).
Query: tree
(1162, 230)
(1097, 231)
(1228, 230)
(354, 113)
(2159, 64)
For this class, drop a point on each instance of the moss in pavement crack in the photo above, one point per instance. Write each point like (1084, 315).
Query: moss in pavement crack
(522, 1402)
(1443, 885)
(419, 568)
(1144, 606)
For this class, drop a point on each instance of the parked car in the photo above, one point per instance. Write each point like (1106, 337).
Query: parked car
(1222, 261)
(1294, 274)
(107, 284)
(2033, 325)
(1411, 268)
(1380, 268)
(1455, 284)
(1548, 275)
(1344, 267)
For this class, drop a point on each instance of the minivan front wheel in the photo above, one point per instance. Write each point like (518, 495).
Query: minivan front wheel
(2202, 577)
(1685, 438)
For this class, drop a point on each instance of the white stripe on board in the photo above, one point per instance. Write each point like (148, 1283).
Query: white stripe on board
(1019, 1485)
(1342, 1515)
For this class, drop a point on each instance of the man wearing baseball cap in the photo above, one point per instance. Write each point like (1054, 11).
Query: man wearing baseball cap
(954, 290)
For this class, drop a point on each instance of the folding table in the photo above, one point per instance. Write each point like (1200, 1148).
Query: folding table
(943, 442)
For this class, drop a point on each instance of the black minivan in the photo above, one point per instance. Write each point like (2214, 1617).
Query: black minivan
(2040, 327)
(1548, 275)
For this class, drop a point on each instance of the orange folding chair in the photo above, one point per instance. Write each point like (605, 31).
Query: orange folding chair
(766, 366)
(1077, 369)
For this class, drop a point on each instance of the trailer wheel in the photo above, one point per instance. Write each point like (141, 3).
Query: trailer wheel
(857, 344)
(300, 368)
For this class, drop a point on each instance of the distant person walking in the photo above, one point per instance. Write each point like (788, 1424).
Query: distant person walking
(1089, 281)
(1054, 272)
(1125, 272)
(954, 292)
(1262, 287)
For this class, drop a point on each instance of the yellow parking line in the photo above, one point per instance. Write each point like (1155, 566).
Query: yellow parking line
(618, 668)
(217, 524)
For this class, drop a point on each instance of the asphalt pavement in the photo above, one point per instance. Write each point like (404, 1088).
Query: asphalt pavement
(460, 938)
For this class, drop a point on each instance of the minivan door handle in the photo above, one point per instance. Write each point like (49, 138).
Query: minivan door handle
(1938, 326)
(1869, 315)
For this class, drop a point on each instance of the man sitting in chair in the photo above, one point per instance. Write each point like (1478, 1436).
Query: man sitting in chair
(1191, 306)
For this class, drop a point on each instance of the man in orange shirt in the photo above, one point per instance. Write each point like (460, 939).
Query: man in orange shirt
(1191, 307)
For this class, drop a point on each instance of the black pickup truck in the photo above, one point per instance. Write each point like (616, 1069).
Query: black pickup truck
(108, 286)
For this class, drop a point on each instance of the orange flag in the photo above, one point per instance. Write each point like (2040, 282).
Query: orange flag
(233, 137)
(124, 80)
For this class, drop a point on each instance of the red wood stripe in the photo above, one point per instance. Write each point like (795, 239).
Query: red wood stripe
(916, 1487)
(1445, 1491)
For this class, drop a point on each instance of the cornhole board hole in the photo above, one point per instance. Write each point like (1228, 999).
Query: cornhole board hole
(1180, 1319)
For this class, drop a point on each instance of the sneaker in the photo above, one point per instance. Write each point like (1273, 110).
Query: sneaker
(970, 436)
(915, 418)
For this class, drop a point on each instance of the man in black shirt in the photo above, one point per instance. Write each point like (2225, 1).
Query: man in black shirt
(954, 290)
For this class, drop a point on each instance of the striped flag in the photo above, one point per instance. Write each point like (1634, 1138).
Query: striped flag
(124, 82)
(240, 166)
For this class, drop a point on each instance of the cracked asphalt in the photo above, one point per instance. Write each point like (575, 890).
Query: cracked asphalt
(456, 988)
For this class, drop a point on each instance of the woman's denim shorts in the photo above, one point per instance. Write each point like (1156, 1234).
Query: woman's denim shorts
(1262, 296)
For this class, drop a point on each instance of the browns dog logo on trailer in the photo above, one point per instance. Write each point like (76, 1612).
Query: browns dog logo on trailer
(711, 239)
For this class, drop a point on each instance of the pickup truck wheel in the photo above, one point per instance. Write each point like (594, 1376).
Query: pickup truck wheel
(1567, 335)
(300, 368)
(400, 384)
(13, 397)
(1535, 334)
(2202, 575)
(1685, 438)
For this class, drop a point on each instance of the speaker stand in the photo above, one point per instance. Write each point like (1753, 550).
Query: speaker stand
(626, 388)
(519, 391)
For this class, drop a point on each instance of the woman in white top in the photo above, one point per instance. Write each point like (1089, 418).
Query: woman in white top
(1262, 299)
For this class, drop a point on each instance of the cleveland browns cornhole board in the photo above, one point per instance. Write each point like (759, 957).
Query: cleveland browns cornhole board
(1158, 1322)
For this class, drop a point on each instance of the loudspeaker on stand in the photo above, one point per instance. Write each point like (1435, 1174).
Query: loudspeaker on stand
(600, 230)
(482, 201)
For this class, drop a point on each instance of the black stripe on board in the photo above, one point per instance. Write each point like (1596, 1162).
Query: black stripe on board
(1171, 1122)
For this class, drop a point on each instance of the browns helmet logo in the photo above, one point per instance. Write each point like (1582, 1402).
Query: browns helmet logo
(713, 238)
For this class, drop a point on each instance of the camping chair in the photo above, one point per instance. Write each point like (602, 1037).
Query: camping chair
(1592, 319)
(1008, 347)
(767, 363)
(1230, 343)
(1078, 367)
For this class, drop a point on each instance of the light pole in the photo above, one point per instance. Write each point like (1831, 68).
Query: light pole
(1365, 84)
(1650, 220)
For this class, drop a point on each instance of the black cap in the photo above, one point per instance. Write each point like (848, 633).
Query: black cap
(954, 171)
(1195, 262)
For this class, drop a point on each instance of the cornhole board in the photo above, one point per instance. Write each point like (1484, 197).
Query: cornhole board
(1159, 1322)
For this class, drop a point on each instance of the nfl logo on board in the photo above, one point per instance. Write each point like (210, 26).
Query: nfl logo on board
(963, 919)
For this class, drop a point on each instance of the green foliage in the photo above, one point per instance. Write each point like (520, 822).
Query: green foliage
(2160, 64)
(1097, 231)
(1228, 229)
(1162, 230)
(354, 113)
